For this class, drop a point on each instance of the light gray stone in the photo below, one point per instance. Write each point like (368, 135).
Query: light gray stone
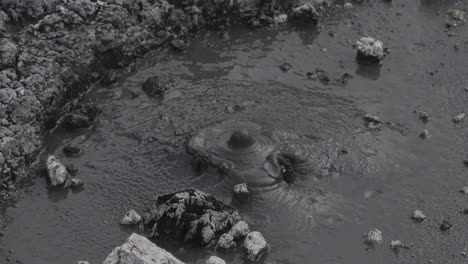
(57, 172)
(215, 260)
(255, 245)
(239, 230)
(131, 218)
(139, 250)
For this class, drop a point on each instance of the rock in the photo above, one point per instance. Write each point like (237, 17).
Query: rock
(82, 262)
(138, 249)
(445, 225)
(370, 50)
(425, 134)
(215, 260)
(465, 162)
(464, 190)
(131, 218)
(76, 183)
(305, 13)
(374, 237)
(371, 119)
(285, 67)
(424, 116)
(239, 230)
(396, 245)
(418, 216)
(71, 149)
(280, 19)
(207, 235)
(456, 14)
(459, 118)
(186, 213)
(179, 44)
(157, 86)
(81, 117)
(226, 241)
(255, 246)
(58, 173)
(241, 192)
(8, 53)
(348, 5)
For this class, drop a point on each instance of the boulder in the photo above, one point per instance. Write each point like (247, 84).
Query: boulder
(58, 173)
(255, 245)
(139, 250)
(131, 218)
(239, 230)
(226, 241)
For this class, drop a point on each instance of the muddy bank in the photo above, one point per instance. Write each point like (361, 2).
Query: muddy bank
(52, 51)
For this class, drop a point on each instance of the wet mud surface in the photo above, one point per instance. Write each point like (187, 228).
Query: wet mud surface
(137, 149)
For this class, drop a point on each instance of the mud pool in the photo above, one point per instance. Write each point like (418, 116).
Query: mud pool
(137, 150)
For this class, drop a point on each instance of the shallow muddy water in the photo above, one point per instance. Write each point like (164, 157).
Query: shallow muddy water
(137, 151)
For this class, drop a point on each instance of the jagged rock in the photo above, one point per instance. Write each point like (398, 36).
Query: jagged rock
(305, 12)
(131, 218)
(185, 214)
(226, 241)
(241, 192)
(157, 85)
(370, 50)
(239, 230)
(139, 250)
(215, 260)
(57, 172)
(374, 237)
(255, 245)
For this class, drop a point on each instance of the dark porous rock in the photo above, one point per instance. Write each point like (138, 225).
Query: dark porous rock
(191, 216)
(157, 86)
(84, 116)
(445, 225)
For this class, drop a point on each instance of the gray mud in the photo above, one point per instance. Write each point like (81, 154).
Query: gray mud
(137, 149)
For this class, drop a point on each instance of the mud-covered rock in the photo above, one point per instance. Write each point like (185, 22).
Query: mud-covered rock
(189, 215)
(138, 249)
(370, 50)
(157, 85)
(84, 116)
(255, 246)
(131, 218)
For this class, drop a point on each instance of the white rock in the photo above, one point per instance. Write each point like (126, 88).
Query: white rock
(255, 245)
(207, 235)
(418, 215)
(459, 118)
(239, 230)
(57, 172)
(370, 47)
(348, 5)
(215, 260)
(139, 250)
(280, 19)
(226, 241)
(131, 218)
(464, 190)
(82, 262)
(374, 236)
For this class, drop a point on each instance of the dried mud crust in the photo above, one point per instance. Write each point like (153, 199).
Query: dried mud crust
(51, 51)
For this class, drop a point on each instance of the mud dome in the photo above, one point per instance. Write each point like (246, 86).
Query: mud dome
(136, 150)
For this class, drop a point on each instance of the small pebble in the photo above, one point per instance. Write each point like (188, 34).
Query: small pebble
(374, 237)
(445, 225)
(418, 216)
(424, 116)
(464, 190)
(425, 135)
(459, 118)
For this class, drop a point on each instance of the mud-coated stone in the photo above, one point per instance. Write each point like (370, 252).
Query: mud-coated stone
(255, 246)
(139, 250)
